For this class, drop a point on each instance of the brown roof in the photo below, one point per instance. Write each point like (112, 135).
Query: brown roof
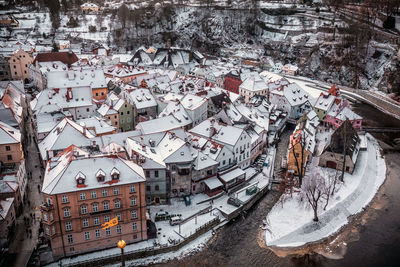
(67, 58)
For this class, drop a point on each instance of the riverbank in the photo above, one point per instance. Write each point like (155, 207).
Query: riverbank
(290, 227)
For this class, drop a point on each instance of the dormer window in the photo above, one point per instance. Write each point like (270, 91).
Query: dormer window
(80, 179)
(100, 175)
(114, 174)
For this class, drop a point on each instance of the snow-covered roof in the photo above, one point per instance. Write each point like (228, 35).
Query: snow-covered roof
(161, 124)
(64, 134)
(9, 135)
(75, 78)
(294, 94)
(142, 98)
(202, 161)
(99, 126)
(78, 97)
(176, 110)
(347, 113)
(5, 205)
(121, 71)
(213, 183)
(324, 102)
(224, 134)
(60, 174)
(227, 177)
(192, 102)
(254, 83)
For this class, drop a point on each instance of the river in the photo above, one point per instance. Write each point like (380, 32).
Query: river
(371, 240)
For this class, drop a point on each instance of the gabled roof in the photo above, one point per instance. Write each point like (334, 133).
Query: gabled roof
(9, 135)
(345, 135)
(67, 58)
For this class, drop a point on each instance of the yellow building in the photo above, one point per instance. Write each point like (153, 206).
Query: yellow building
(297, 153)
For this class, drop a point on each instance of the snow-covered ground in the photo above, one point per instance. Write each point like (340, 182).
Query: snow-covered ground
(290, 224)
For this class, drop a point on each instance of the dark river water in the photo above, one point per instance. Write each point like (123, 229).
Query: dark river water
(372, 240)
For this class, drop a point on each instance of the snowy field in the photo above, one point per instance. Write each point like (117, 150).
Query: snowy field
(290, 224)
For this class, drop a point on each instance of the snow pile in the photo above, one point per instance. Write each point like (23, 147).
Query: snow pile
(290, 224)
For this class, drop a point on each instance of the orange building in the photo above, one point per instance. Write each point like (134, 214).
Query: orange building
(19, 65)
(82, 193)
(10, 145)
(297, 153)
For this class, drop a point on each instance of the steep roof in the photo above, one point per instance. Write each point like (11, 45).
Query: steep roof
(9, 135)
(345, 134)
(65, 57)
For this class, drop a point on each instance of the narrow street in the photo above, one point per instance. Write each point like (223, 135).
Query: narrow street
(26, 235)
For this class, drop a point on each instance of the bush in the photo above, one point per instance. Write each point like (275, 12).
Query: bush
(92, 28)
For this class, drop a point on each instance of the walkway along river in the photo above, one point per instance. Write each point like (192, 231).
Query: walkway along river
(371, 240)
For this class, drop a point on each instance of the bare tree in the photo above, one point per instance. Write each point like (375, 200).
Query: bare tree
(329, 185)
(312, 192)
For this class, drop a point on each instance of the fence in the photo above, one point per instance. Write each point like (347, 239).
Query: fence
(145, 252)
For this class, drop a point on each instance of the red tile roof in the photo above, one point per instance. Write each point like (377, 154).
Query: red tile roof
(65, 57)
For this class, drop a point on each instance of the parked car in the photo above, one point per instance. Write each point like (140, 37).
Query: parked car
(174, 220)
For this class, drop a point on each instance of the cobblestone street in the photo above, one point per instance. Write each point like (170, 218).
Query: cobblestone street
(26, 235)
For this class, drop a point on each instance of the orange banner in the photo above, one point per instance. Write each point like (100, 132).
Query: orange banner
(111, 223)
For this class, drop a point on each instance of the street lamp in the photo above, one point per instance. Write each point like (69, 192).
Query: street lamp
(121, 244)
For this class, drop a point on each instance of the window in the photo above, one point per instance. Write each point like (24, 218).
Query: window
(45, 217)
(116, 191)
(97, 94)
(133, 189)
(105, 193)
(128, 112)
(156, 173)
(134, 226)
(82, 196)
(68, 226)
(106, 205)
(84, 209)
(135, 236)
(122, 113)
(107, 218)
(119, 229)
(66, 212)
(8, 148)
(94, 194)
(108, 231)
(95, 207)
(51, 217)
(97, 233)
(47, 230)
(118, 215)
(157, 188)
(133, 201)
(70, 239)
(102, 93)
(147, 173)
(87, 109)
(134, 214)
(53, 230)
(96, 221)
(148, 187)
(85, 222)
(9, 157)
(87, 235)
(117, 204)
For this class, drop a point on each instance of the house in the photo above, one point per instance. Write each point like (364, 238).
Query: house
(216, 103)
(51, 61)
(290, 69)
(7, 219)
(234, 138)
(13, 97)
(323, 105)
(64, 134)
(10, 145)
(251, 86)
(89, 7)
(164, 150)
(232, 178)
(143, 102)
(92, 77)
(77, 101)
(118, 111)
(179, 113)
(291, 98)
(204, 168)
(336, 119)
(97, 126)
(127, 74)
(82, 192)
(343, 149)
(19, 62)
(101, 50)
(196, 107)
(232, 82)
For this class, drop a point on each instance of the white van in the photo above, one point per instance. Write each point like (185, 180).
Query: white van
(174, 220)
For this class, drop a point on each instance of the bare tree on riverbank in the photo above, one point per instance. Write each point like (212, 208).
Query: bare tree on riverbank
(312, 192)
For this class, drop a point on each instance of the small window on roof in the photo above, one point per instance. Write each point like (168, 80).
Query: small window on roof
(115, 174)
(100, 175)
(80, 179)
